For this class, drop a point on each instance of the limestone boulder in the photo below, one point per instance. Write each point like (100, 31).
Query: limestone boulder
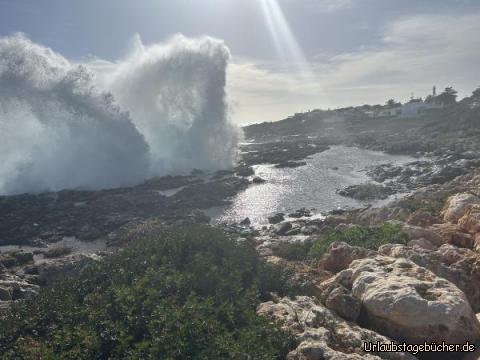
(452, 235)
(422, 218)
(459, 266)
(470, 222)
(457, 205)
(417, 232)
(421, 243)
(335, 293)
(410, 303)
(340, 255)
(476, 245)
(321, 334)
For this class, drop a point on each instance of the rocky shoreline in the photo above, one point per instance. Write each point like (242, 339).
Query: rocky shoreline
(424, 289)
(406, 271)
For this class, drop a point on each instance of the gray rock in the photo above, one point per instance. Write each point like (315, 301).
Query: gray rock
(5, 294)
(258, 180)
(294, 231)
(282, 228)
(245, 222)
(277, 218)
(321, 334)
(341, 301)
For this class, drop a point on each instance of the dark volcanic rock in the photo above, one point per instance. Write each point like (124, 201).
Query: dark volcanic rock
(282, 228)
(245, 222)
(300, 213)
(277, 218)
(258, 180)
(244, 171)
(281, 151)
(290, 164)
(88, 215)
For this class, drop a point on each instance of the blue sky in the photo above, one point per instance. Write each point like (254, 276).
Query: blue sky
(356, 51)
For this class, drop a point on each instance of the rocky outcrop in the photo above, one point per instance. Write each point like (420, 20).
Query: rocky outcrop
(258, 180)
(277, 218)
(476, 245)
(282, 228)
(340, 255)
(422, 243)
(422, 218)
(335, 293)
(452, 235)
(15, 258)
(457, 205)
(459, 266)
(14, 288)
(410, 303)
(51, 271)
(321, 334)
(470, 222)
(416, 232)
(23, 282)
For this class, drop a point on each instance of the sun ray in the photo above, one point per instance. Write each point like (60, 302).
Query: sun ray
(286, 45)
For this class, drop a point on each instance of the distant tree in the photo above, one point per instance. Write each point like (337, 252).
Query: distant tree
(391, 103)
(448, 96)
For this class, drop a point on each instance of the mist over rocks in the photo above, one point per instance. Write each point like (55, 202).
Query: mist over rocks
(61, 126)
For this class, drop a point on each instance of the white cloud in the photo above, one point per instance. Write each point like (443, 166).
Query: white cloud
(414, 54)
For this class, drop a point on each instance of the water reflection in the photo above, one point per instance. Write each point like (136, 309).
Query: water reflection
(312, 186)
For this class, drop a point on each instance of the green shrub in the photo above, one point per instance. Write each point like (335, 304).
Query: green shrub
(184, 294)
(295, 251)
(433, 206)
(370, 237)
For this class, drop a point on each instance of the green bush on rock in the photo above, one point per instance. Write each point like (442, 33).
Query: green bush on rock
(184, 294)
(370, 237)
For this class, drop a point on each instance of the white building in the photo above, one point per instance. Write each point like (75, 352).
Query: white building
(413, 108)
(417, 107)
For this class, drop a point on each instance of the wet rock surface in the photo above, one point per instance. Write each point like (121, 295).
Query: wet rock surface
(89, 215)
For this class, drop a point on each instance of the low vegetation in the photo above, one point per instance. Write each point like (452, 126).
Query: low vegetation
(432, 205)
(370, 237)
(183, 294)
(294, 251)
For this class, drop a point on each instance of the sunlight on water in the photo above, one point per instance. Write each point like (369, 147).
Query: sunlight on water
(312, 186)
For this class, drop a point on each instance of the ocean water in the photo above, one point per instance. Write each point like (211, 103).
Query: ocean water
(313, 186)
